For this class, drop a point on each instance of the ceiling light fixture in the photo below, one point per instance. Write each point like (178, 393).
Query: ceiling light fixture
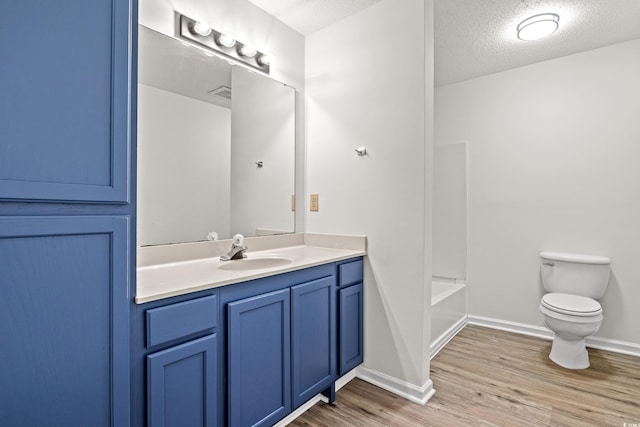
(538, 26)
(222, 44)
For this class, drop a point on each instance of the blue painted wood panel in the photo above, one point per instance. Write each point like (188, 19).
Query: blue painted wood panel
(236, 292)
(259, 359)
(174, 321)
(140, 351)
(350, 272)
(66, 94)
(64, 321)
(313, 338)
(351, 331)
(182, 387)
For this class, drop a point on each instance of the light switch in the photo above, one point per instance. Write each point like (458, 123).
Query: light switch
(314, 203)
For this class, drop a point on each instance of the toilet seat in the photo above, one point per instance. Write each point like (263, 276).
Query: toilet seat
(573, 305)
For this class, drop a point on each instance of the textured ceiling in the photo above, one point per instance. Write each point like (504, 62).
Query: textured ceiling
(478, 37)
(475, 38)
(307, 16)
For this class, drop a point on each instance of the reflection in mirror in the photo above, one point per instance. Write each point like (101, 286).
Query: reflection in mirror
(216, 146)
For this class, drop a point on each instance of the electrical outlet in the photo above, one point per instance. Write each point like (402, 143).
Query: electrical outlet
(313, 206)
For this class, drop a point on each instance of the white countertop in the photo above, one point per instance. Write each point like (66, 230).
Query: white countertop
(160, 281)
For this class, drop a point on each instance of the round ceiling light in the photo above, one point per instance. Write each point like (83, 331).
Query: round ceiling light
(538, 26)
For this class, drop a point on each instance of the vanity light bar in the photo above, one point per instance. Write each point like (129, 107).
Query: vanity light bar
(222, 43)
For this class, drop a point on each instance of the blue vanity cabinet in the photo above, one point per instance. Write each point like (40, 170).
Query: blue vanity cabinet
(259, 359)
(175, 373)
(313, 338)
(351, 353)
(280, 344)
(182, 385)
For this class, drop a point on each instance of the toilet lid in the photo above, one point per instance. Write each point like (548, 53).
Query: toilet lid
(571, 304)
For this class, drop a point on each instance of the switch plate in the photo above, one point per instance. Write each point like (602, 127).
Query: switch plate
(313, 205)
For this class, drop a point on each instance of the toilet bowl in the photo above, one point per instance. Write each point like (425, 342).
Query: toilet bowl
(572, 318)
(570, 309)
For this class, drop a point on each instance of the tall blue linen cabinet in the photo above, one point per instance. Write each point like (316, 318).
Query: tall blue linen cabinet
(67, 211)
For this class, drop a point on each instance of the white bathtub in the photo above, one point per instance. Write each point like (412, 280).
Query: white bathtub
(448, 312)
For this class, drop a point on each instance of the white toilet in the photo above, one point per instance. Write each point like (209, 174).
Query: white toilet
(570, 309)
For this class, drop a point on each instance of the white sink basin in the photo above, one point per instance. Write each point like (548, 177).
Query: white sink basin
(255, 263)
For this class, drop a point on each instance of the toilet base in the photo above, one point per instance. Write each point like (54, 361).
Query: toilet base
(569, 353)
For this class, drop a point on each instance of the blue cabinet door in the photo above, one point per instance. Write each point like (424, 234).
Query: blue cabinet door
(64, 321)
(182, 387)
(65, 109)
(313, 338)
(259, 359)
(351, 332)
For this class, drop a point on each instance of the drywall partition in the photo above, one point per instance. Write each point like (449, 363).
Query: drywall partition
(373, 88)
(450, 211)
(248, 23)
(177, 133)
(553, 165)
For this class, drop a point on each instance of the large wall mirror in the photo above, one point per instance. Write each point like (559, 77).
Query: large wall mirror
(216, 146)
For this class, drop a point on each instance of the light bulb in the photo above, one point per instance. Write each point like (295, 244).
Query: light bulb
(226, 40)
(200, 28)
(265, 58)
(248, 50)
(538, 26)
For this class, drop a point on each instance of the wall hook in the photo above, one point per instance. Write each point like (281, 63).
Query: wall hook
(362, 151)
(259, 163)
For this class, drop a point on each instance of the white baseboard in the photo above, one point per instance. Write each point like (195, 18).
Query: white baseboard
(340, 382)
(508, 326)
(344, 380)
(301, 410)
(615, 346)
(443, 339)
(419, 395)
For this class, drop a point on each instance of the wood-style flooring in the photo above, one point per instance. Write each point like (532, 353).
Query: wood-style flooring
(486, 377)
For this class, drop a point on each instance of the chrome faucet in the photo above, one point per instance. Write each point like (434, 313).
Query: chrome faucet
(237, 249)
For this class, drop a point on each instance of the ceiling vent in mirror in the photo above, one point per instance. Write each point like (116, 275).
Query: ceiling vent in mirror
(222, 92)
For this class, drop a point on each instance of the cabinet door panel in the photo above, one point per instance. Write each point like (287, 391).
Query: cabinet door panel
(259, 359)
(313, 338)
(182, 388)
(64, 321)
(64, 109)
(351, 333)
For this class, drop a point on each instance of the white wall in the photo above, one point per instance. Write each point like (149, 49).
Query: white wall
(263, 129)
(366, 87)
(180, 133)
(450, 211)
(553, 165)
(248, 23)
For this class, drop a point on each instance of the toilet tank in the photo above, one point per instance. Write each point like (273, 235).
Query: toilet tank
(584, 275)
